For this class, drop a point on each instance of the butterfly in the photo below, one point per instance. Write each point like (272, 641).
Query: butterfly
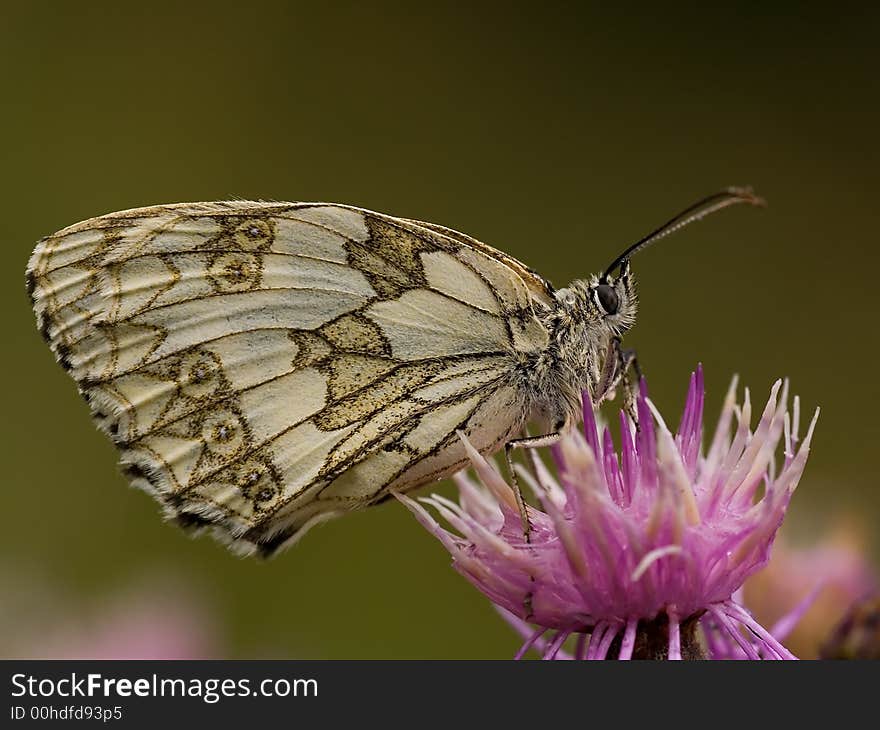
(265, 366)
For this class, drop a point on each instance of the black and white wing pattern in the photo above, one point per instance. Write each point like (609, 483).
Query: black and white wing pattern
(265, 366)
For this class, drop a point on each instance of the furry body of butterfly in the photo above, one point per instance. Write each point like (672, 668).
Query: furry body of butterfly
(265, 366)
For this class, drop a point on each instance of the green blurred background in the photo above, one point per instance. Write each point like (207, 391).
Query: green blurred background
(557, 133)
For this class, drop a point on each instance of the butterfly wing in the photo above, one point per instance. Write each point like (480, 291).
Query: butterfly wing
(265, 366)
(539, 288)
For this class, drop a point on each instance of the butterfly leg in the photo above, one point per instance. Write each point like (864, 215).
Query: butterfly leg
(530, 442)
(620, 369)
(629, 364)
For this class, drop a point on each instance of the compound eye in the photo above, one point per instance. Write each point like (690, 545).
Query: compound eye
(608, 299)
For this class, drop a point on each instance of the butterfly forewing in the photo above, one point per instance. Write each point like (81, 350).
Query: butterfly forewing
(263, 366)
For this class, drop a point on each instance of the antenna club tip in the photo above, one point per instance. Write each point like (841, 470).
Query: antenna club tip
(747, 195)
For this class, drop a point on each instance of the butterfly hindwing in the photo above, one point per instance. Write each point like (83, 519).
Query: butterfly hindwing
(262, 366)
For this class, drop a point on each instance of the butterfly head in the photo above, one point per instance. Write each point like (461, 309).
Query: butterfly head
(603, 306)
(614, 299)
(586, 316)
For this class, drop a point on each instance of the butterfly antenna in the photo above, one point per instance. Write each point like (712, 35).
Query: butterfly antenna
(691, 214)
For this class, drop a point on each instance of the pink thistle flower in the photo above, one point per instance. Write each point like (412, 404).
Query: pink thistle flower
(156, 620)
(806, 590)
(632, 550)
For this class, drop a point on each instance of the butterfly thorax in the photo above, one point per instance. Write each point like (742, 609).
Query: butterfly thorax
(580, 331)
